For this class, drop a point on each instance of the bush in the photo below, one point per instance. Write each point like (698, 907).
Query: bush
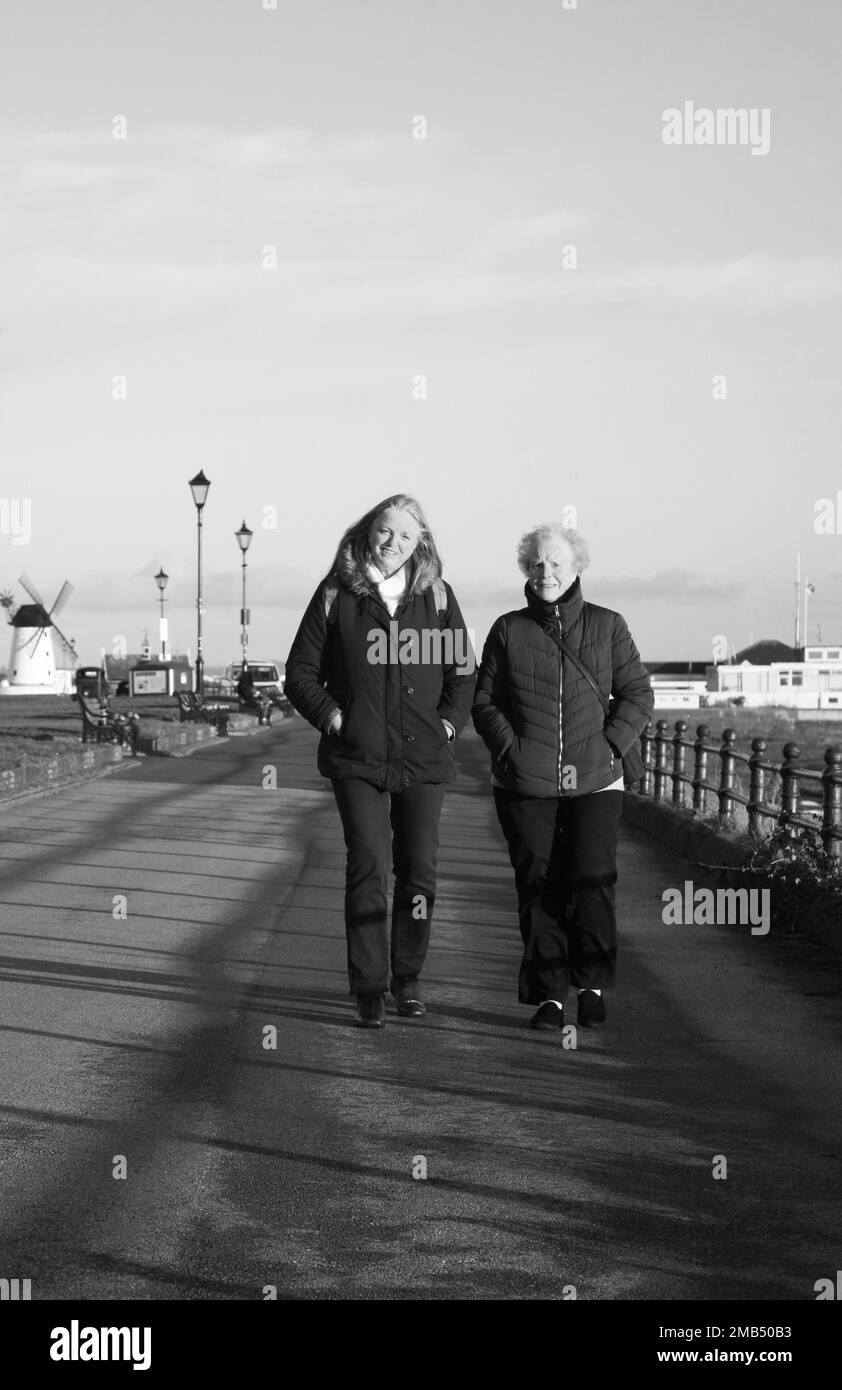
(805, 882)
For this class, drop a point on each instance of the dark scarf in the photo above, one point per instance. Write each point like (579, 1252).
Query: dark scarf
(567, 606)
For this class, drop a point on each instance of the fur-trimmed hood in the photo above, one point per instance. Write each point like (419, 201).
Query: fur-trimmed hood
(353, 577)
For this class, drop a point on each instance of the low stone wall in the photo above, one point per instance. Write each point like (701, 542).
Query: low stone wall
(36, 774)
(684, 833)
(167, 739)
(173, 738)
(163, 739)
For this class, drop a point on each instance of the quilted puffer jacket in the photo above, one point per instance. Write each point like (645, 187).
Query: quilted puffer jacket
(541, 720)
(392, 733)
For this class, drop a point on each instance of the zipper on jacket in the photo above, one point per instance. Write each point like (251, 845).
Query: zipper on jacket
(386, 671)
(560, 688)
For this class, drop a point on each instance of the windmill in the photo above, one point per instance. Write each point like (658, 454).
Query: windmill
(32, 659)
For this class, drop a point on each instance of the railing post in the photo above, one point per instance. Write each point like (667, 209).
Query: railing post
(646, 741)
(661, 770)
(678, 760)
(832, 803)
(700, 770)
(789, 791)
(727, 776)
(757, 787)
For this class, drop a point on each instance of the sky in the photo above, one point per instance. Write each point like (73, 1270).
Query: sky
(346, 248)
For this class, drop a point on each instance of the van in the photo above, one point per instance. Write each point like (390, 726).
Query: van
(265, 674)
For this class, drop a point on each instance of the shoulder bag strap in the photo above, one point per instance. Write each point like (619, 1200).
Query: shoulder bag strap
(580, 666)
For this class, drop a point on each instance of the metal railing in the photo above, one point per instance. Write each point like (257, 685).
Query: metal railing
(667, 778)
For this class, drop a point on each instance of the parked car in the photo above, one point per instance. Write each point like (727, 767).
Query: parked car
(265, 674)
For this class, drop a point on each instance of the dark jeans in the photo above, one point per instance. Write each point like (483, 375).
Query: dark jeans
(383, 831)
(564, 854)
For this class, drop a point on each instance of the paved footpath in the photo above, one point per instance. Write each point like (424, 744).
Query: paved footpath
(139, 1045)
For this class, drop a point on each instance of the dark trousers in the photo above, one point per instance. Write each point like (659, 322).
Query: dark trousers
(564, 854)
(383, 831)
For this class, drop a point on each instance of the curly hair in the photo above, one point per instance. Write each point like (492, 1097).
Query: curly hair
(423, 566)
(553, 530)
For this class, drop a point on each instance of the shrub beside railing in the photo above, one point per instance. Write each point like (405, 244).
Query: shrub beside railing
(667, 777)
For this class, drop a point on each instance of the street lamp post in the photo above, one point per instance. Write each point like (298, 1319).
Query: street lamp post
(161, 579)
(244, 536)
(199, 486)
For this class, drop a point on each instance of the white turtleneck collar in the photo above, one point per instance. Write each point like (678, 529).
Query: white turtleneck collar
(391, 590)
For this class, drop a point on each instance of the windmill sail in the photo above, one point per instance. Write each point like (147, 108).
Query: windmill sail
(63, 595)
(27, 584)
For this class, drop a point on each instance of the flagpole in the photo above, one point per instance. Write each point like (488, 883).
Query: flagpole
(808, 590)
(798, 601)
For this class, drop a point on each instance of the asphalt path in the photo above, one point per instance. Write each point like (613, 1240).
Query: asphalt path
(290, 1161)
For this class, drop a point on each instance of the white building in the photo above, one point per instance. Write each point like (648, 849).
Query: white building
(678, 694)
(678, 684)
(814, 683)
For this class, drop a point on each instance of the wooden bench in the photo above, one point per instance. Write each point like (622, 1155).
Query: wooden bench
(193, 709)
(101, 725)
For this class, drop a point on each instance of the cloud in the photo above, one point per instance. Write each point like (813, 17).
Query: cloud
(473, 593)
(115, 592)
(174, 220)
(667, 586)
(190, 147)
(301, 292)
(524, 234)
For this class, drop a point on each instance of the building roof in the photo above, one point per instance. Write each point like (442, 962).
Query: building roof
(31, 615)
(763, 653)
(677, 670)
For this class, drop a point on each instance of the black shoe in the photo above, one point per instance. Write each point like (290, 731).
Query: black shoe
(370, 1011)
(408, 999)
(549, 1016)
(592, 1010)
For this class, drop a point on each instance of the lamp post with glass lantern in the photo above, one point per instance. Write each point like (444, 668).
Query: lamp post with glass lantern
(244, 536)
(199, 486)
(161, 579)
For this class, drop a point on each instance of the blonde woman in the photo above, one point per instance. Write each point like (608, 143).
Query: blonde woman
(382, 666)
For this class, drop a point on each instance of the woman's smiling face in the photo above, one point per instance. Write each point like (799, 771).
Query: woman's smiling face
(393, 537)
(552, 568)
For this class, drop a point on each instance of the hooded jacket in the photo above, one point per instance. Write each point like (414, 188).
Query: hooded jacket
(393, 678)
(542, 722)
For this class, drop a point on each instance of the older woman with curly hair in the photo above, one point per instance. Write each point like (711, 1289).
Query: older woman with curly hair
(383, 667)
(561, 698)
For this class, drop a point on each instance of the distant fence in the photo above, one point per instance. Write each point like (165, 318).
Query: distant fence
(666, 758)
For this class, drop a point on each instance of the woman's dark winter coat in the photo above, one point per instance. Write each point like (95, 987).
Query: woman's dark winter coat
(542, 722)
(392, 708)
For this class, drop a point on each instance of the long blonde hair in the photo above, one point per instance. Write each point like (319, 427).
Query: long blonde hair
(353, 555)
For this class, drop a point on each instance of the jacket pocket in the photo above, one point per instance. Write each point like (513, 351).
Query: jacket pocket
(361, 735)
(426, 724)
